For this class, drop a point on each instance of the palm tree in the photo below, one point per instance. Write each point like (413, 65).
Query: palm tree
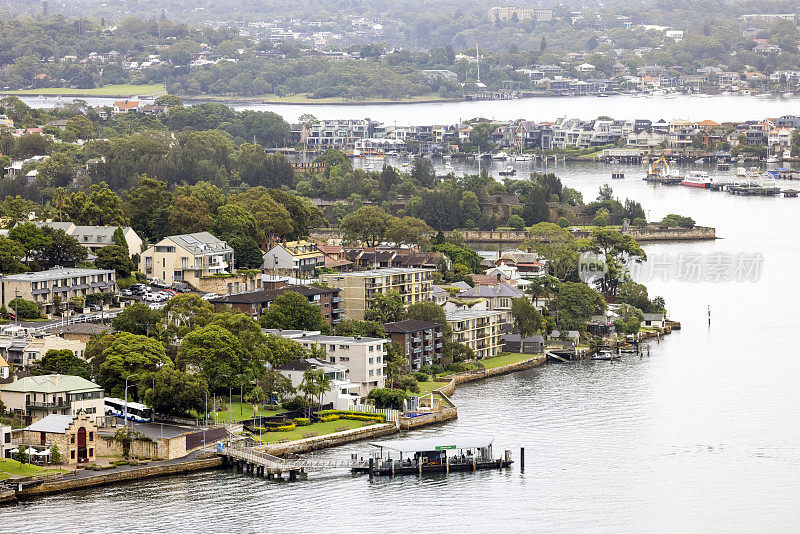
(324, 383)
(309, 386)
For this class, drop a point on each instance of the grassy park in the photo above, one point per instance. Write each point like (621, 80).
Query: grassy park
(318, 429)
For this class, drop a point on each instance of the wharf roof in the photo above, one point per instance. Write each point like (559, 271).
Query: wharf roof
(434, 444)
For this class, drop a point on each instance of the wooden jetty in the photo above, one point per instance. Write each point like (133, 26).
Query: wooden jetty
(749, 190)
(790, 193)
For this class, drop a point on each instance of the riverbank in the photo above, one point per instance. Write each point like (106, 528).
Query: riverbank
(108, 91)
(306, 100)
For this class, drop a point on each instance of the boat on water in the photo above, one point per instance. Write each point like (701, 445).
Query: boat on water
(773, 159)
(434, 455)
(508, 171)
(524, 157)
(618, 175)
(502, 155)
(603, 355)
(660, 172)
(699, 179)
(788, 95)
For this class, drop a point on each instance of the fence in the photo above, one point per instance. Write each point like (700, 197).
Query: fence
(391, 414)
(98, 317)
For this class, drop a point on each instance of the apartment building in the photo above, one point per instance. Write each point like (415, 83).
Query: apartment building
(478, 330)
(340, 134)
(420, 342)
(186, 257)
(499, 297)
(255, 303)
(43, 286)
(364, 357)
(39, 396)
(299, 258)
(23, 350)
(357, 288)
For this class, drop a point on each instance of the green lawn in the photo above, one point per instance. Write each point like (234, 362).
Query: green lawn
(245, 409)
(13, 467)
(319, 429)
(108, 90)
(427, 387)
(495, 361)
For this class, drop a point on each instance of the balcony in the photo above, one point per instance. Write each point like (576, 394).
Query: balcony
(47, 405)
(337, 299)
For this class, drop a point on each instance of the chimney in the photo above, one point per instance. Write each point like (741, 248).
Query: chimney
(54, 378)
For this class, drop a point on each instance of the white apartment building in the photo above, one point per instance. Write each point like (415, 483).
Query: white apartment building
(364, 357)
(185, 257)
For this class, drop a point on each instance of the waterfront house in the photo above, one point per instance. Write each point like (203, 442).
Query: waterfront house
(340, 395)
(525, 345)
(186, 258)
(43, 286)
(653, 320)
(125, 106)
(357, 288)
(477, 329)
(37, 396)
(418, 342)
(74, 435)
(364, 357)
(571, 338)
(93, 238)
(255, 303)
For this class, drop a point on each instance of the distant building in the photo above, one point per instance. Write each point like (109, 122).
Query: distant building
(499, 297)
(525, 345)
(509, 14)
(125, 106)
(419, 342)
(96, 237)
(255, 303)
(42, 286)
(299, 258)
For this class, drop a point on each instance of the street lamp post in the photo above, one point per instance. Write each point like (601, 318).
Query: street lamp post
(126, 398)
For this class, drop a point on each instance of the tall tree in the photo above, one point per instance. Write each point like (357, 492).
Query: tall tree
(385, 308)
(293, 311)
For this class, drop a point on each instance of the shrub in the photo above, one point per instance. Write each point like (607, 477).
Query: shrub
(297, 403)
(388, 398)
(326, 418)
(25, 309)
(421, 377)
(356, 416)
(600, 220)
(674, 219)
(639, 222)
(302, 421)
(563, 222)
(55, 454)
(516, 222)
(284, 428)
(456, 367)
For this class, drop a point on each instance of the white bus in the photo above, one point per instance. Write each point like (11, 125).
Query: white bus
(136, 412)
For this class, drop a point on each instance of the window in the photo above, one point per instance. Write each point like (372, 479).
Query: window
(91, 452)
(371, 348)
(72, 439)
(372, 360)
(91, 436)
(333, 359)
(371, 372)
(72, 454)
(331, 347)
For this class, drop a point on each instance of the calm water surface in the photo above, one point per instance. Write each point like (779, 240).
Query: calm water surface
(700, 436)
(719, 108)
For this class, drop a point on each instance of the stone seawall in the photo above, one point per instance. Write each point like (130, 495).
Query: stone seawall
(480, 374)
(698, 233)
(103, 478)
(331, 440)
(446, 414)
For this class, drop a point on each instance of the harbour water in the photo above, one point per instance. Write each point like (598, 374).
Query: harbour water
(719, 108)
(700, 436)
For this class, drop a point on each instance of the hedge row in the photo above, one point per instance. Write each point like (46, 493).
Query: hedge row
(356, 416)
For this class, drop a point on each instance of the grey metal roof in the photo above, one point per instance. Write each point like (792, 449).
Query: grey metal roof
(53, 423)
(498, 290)
(433, 444)
(200, 242)
(52, 384)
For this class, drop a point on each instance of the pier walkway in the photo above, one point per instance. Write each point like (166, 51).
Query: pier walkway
(248, 458)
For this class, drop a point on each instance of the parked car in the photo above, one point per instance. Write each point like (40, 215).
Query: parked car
(150, 297)
(170, 292)
(157, 282)
(94, 308)
(126, 293)
(181, 287)
(209, 296)
(138, 289)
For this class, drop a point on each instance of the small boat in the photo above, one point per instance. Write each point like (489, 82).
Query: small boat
(603, 355)
(773, 159)
(500, 156)
(698, 179)
(404, 164)
(764, 95)
(433, 455)
(618, 175)
(524, 157)
(508, 171)
(788, 95)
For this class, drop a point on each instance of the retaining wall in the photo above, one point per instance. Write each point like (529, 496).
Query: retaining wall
(446, 414)
(480, 374)
(103, 478)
